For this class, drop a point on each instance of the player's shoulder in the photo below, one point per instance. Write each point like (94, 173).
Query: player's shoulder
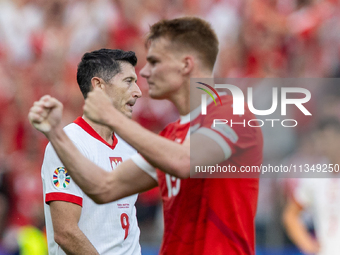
(221, 104)
(75, 132)
(72, 128)
(224, 108)
(49, 149)
(227, 99)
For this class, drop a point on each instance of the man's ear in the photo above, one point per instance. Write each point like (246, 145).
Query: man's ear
(97, 83)
(188, 64)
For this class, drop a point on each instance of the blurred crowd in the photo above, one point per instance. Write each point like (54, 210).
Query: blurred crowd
(41, 43)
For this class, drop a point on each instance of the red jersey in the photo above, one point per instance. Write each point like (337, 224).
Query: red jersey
(212, 216)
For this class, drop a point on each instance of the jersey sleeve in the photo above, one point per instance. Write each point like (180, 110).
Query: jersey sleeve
(218, 138)
(217, 125)
(144, 165)
(58, 184)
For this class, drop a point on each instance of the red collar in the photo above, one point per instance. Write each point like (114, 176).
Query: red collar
(87, 128)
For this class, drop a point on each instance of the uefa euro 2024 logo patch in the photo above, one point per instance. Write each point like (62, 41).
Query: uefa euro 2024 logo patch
(61, 178)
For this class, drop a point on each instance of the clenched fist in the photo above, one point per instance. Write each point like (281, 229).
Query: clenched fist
(98, 106)
(45, 114)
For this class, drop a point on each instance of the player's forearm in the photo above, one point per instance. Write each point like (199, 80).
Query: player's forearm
(88, 176)
(168, 156)
(298, 233)
(75, 243)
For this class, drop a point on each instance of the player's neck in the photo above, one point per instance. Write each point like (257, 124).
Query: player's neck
(187, 98)
(181, 99)
(103, 131)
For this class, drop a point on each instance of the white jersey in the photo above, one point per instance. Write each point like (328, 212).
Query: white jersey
(323, 197)
(112, 228)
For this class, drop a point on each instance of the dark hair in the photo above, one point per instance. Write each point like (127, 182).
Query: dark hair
(103, 63)
(188, 33)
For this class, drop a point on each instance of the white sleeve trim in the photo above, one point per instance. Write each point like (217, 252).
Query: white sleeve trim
(218, 139)
(144, 165)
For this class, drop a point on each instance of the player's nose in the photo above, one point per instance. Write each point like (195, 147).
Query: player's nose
(137, 93)
(145, 71)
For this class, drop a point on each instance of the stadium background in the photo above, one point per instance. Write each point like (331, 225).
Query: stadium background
(41, 43)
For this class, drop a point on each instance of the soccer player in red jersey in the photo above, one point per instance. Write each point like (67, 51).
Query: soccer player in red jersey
(201, 215)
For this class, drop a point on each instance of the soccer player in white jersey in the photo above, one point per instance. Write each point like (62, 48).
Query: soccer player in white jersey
(74, 223)
(322, 196)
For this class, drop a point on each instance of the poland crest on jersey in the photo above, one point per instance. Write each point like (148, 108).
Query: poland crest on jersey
(61, 178)
(115, 161)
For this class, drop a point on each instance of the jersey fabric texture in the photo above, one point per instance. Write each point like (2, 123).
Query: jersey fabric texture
(209, 215)
(322, 196)
(112, 228)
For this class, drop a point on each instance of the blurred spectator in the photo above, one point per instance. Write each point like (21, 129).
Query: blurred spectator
(25, 195)
(3, 196)
(322, 195)
(19, 19)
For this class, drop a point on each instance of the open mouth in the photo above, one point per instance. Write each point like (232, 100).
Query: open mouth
(130, 105)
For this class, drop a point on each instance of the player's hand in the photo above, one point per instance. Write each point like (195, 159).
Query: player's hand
(98, 107)
(311, 248)
(45, 114)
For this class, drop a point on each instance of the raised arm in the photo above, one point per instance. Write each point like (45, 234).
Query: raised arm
(99, 185)
(168, 156)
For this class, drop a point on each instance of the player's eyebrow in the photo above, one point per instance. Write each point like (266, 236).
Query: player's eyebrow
(131, 77)
(151, 58)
